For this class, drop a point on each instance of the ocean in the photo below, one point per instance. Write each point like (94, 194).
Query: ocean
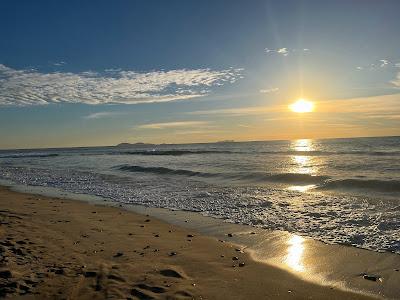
(344, 191)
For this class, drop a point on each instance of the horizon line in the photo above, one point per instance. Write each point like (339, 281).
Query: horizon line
(196, 143)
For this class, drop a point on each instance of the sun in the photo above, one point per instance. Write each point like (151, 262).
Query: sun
(302, 106)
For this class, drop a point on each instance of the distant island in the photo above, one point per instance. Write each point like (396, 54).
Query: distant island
(225, 141)
(129, 145)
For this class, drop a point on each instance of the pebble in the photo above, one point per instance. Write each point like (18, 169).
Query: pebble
(241, 264)
(371, 277)
(90, 274)
(172, 253)
(235, 258)
(59, 271)
(190, 235)
(118, 254)
(230, 234)
(5, 274)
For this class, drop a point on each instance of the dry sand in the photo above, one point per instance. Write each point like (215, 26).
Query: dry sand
(65, 249)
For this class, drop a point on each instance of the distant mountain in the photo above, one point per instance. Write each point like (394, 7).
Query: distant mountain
(225, 141)
(129, 145)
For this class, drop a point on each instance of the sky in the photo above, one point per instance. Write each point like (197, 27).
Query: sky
(93, 73)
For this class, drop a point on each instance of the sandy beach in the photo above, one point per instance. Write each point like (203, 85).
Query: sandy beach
(64, 249)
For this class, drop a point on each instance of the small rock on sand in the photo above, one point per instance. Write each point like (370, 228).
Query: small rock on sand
(371, 277)
(118, 254)
(170, 273)
(235, 258)
(242, 264)
(5, 274)
(230, 234)
(90, 274)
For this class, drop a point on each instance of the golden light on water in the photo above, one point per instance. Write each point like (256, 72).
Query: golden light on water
(294, 254)
(303, 163)
(302, 106)
(301, 188)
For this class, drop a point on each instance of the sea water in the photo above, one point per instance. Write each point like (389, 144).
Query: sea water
(336, 190)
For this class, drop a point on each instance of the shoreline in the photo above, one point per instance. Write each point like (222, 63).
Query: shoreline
(101, 251)
(311, 260)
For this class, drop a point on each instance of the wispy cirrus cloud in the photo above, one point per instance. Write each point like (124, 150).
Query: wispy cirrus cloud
(102, 114)
(241, 111)
(31, 87)
(59, 63)
(385, 105)
(379, 64)
(269, 90)
(285, 51)
(181, 124)
(396, 81)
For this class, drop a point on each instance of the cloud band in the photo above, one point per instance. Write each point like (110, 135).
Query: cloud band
(30, 87)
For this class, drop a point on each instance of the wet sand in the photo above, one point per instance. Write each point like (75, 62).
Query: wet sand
(65, 249)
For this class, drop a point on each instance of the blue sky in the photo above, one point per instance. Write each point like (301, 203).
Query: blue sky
(78, 73)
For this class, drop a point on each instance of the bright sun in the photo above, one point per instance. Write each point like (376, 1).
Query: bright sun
(302, 106)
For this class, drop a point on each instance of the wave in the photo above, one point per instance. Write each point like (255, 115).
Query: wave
(328, 153)
(372, 184)
(252, 177)
(164, 171)
(294, 178)
(181, 152)
(28, 155)
(321, 182)
(177, 152)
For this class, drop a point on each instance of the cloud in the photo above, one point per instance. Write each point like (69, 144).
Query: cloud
(396, 81)
(30, 87)
(285, 51)
(166, 125)
(102, 114)
(270, 90)
(381, 63)
(384, 63)
(60, 63)
(241, 111)
(387, 104)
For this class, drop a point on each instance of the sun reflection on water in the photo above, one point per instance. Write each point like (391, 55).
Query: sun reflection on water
(303, 145)
(301, 188)
(302, 163)
(295, 253)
